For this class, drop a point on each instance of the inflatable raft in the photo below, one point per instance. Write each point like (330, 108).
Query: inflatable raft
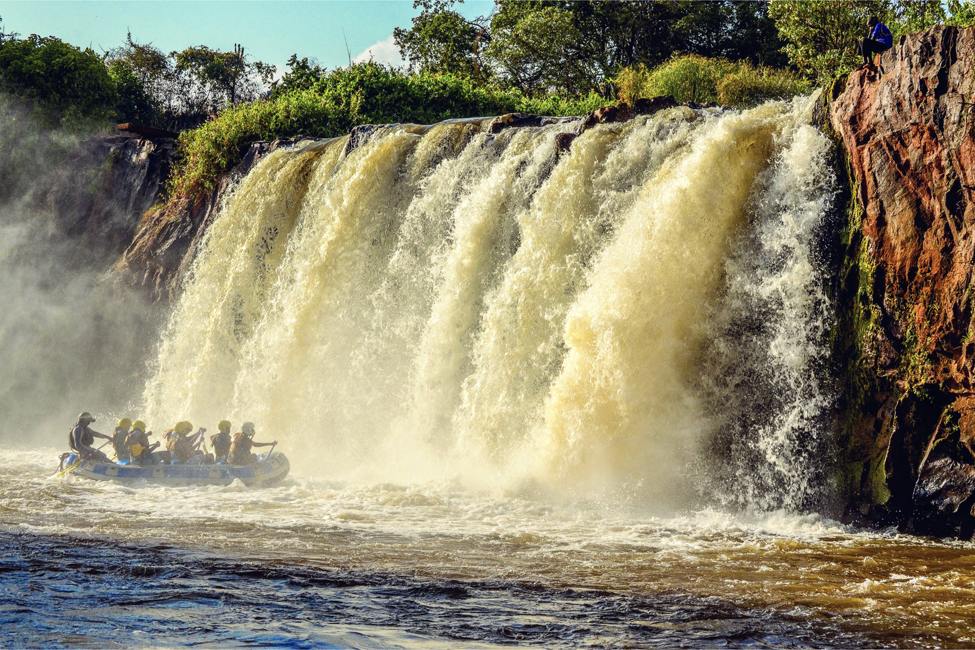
(267, 471)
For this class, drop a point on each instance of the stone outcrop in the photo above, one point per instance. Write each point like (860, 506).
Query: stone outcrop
(168, 233)
(97, 194)
(905, 340)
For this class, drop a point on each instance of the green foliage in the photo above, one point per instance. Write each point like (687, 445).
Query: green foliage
(133, 103)
(64, 84)
(301, 75)
(532, 45)
(748, 85)
(822, 36)
(366, 93)
(183, 86)
(560, 104)
(574, 46)
(443, 41)
(960, 13)
(693, 78)
(222, 78)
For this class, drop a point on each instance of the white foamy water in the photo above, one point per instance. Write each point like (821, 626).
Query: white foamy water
(447, 304)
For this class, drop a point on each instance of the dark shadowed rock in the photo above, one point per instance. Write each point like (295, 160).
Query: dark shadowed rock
(622, 112)
(514, 120)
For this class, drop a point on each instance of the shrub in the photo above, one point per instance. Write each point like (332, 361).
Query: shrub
(749, 86)
(333, 103)
(702, 80)
(63, 84)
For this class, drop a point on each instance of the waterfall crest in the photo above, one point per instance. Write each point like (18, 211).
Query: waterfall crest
(443, 302)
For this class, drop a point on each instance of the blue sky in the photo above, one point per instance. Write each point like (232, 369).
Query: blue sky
(269, 30)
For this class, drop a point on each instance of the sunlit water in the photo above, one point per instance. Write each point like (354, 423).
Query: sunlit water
(318, 562)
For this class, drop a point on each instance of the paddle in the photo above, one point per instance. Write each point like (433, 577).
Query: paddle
(268, 454)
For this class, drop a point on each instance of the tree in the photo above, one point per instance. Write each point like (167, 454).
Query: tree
(217, 79)
(64, 83)
(961, 12)
(133, 103)
(568, 46)
(532, 47)
(822, 36)
(441, 40)
(301, 75)
(143, 78)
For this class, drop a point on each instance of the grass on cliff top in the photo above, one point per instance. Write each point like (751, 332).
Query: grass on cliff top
(370, 93)
(702, 80)
(367, 93)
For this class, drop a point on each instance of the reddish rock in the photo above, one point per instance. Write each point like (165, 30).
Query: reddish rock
(906, 288)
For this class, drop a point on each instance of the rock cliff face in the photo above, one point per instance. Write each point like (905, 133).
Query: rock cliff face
(167, 234)
(96, 192)
(905, 340)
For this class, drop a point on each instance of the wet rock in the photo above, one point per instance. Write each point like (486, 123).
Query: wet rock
(359, 135)
(905, 339)
(944, 494)
(168, 234)
(145, 132)
(564, 140)
(514, 120)
(98, 195)
(623, 112)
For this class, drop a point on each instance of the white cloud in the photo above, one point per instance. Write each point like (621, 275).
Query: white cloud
(385, 51)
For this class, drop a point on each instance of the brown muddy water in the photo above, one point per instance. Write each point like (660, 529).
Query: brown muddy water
(314, 562)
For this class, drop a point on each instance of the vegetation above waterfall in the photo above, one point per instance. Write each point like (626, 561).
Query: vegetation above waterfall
(541, 56)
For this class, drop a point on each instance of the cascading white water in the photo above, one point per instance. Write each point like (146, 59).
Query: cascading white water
(446, 302)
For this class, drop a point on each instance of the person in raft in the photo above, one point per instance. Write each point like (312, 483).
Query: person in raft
(140, 451)
(221, 442)
(118, 440)
(240, 448)
(82, 438)
(183, 447)
(879, 41)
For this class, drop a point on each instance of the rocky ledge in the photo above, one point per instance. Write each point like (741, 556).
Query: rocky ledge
(905, 342)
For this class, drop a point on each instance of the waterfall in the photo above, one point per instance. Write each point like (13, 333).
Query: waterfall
(446, 302)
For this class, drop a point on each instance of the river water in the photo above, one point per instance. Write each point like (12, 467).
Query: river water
(564, 395)
(315, 562)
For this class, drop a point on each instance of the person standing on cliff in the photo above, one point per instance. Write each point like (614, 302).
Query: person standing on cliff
(879, 41)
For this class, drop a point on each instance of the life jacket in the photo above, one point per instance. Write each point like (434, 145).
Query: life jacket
(118, 442)
(80, 436)
(137, 442)
(221, 444)
(240, 449)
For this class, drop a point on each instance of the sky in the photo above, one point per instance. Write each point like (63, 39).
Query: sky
(269, 30)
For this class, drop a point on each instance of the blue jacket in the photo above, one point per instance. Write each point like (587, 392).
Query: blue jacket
(882, 35)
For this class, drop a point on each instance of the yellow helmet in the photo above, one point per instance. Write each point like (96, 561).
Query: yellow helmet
(138, 425)
(224, 426)
(183, 427)
(124, 423)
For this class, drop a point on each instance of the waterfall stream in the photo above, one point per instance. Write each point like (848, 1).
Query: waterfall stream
(444, 302)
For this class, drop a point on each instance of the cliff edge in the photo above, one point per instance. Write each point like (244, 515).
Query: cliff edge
(905, 339)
